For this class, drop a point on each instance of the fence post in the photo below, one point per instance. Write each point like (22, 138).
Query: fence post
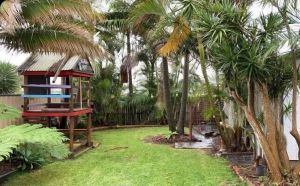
(191, 123)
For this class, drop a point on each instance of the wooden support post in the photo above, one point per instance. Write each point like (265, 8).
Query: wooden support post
(80, 92)
(26, 90)
(89, 130)
(191, 123)
(89, 126)
(48, 100)
(71, 101)
(48, 90)
(89, 93)
(71, 133)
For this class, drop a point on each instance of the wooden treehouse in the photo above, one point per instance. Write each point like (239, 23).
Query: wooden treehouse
(57, 94)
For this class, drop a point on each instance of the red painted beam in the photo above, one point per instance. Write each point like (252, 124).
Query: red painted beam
(62, 73)
(56, 114)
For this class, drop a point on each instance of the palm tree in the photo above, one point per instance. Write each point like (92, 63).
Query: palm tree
(156, 9)
(184, 96)
(167, 94)
(49, 26)
(180, 33)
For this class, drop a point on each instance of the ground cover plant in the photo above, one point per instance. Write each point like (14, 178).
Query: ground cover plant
(123, 158)
(7, 112)
(31, 145)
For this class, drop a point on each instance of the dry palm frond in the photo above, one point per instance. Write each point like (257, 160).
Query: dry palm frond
(180, 33)
(75, 27)
(48, 10)
(10, 17)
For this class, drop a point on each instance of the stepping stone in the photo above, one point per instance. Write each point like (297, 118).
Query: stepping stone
(193, 145)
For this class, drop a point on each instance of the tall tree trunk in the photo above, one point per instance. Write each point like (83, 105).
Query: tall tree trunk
(167, 95)
(281, 140)
(184, 95)
(273, 165)
(271, 162)
(130, 84)
(269, 121)
(152, 85)
(201, 51)
(294, 132)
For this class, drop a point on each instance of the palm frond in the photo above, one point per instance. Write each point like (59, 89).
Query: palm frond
(48, 40)
(49, 9)
(148, 7)
(180, 33)
(75, 27)
(10, 15)
(114, 21)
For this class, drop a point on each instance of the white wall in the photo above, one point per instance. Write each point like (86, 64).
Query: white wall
(291, 143)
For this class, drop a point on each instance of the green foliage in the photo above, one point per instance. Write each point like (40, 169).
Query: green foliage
(34, 155)
(106, 91)
(171, 135)
(16, 138)
(7, 112)
(142, 103)
(9, 81)
(255, 56)
(31, 26)
(210, 112)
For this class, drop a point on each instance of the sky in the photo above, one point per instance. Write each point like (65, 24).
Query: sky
(102, 5)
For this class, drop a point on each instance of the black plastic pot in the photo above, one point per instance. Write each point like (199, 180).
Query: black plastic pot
(260, 170)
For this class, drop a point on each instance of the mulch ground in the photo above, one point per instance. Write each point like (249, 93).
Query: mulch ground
(246, 173)
(162, 139)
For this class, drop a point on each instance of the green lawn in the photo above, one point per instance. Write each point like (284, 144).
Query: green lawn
(139, 164)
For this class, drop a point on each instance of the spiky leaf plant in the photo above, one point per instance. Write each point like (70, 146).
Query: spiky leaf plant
(9, 81)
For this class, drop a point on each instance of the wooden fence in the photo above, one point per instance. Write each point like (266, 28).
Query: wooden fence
(130, 116)
(13, 101)
(133, 116)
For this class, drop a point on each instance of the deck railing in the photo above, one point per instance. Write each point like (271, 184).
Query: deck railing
(17, 101)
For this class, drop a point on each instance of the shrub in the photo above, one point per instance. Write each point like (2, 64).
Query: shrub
(9, 80)
(32, 145)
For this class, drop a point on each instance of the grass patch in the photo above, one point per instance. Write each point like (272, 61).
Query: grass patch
(124, 159)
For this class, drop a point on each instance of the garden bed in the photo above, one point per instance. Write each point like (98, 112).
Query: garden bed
(242, 164)
(246, 173)
(163, 139)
